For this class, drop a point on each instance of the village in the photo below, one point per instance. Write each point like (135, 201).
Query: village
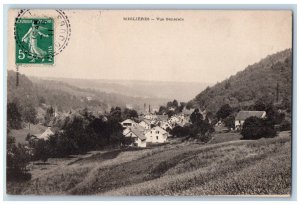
(153, 128)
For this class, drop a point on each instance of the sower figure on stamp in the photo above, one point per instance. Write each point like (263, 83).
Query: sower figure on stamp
(31, 37)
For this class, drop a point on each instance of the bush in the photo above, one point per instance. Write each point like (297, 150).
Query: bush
(229, 121)
(17, 175)
(224, 111)
(80, 135)
(18, 158)
(285, 125)
(179, 131)
(255, 128)
(14, 117)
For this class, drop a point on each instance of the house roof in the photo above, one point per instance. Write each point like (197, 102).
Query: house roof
(147, 121)
(160, 129)
(243, 115)
(138, 132)
(162, 117)
(126, 131)
(49, 131)
(128, 121)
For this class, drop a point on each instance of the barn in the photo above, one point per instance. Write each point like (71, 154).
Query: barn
(243, 115)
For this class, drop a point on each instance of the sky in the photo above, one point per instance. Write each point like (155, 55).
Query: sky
(207, 46)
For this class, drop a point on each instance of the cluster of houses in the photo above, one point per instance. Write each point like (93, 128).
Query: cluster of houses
(152, 128)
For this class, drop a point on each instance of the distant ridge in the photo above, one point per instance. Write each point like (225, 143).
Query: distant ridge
(182, 91)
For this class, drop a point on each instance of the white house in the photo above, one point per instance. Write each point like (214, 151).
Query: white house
(176, 119)
(128, 123)
(156, 135)
(138, 135)
(243, 115)
(126, 130)
(150, 116)
(46, 134)
(146, 124)
(173, 120)
(165, 125)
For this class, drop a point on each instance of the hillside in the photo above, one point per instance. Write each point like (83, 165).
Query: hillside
(225, 166)
(109, 99)
(65, 97)
(256, 82)
(28, 92)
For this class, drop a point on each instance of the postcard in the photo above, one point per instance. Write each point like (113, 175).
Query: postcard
(149, 102)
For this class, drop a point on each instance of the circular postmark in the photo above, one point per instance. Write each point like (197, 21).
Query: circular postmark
(60, 32)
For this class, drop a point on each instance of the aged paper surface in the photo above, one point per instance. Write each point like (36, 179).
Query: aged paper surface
(149, 102)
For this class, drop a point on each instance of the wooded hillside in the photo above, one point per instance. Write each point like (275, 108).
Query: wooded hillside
(259, 81)
(29, 93)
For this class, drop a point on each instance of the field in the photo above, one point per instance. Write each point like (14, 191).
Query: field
(224, 166)
(20, 135)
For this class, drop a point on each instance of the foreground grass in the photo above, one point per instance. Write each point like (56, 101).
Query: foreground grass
(222, 167)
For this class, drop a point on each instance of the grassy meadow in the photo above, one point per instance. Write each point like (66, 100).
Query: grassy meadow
(226, 165)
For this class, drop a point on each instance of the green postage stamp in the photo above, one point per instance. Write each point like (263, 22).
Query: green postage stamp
(34, 41)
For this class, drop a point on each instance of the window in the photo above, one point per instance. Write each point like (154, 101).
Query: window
(157, 137)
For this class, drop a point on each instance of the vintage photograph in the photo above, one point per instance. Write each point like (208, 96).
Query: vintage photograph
(149, 102)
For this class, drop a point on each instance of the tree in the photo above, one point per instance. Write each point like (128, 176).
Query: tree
(255, 128)
(179, 131)
(201, 130)
(170, 113)
(18, 158)
(229, 121)
(273, 116)
(129, 114)
(227, 84)
(116, 114)
(14, 117)
(30, 114)
(175, 103)
(259, 105)
(49, 114)
(162, 110)
(41, 150)
(196, 116)
(189, 105)
(224, 111)
(169, 104)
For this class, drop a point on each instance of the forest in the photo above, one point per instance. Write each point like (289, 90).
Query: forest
(268, 80)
